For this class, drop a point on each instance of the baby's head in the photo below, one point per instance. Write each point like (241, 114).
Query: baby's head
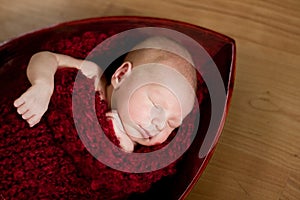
(154, 90)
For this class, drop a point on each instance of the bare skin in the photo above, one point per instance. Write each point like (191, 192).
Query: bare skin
(33, 103)
(167, 114)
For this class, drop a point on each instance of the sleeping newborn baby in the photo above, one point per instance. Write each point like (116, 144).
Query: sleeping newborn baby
(149, 95)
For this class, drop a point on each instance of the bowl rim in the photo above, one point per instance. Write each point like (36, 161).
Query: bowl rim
(229, 86)
(113, 18)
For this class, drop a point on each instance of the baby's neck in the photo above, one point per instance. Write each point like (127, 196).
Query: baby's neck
(109, 90)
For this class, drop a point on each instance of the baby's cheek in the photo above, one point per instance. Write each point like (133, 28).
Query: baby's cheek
(139, 113)
(139, 107)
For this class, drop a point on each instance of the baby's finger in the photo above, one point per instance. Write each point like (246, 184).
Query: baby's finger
(96, 84)
(27, 115)
(101, 95)
(22, 109)
(109, 115)
(18, 102)
(33, 120)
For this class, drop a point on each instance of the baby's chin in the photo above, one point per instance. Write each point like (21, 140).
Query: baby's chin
(147, 141)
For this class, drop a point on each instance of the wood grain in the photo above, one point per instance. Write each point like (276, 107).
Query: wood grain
(258, 155)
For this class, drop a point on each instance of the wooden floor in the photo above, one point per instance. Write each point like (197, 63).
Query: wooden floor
(258, 155)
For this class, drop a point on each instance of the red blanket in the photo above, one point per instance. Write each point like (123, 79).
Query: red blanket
(49, 161)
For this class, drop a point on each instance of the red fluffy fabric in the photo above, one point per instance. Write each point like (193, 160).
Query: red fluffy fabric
(50, 161)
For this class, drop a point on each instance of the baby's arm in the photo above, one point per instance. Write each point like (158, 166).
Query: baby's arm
(125, 142)
(33, 103)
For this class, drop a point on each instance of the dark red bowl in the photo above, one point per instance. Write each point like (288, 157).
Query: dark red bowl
(17, 52)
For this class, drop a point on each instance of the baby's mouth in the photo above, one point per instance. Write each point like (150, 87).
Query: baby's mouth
(145, 133)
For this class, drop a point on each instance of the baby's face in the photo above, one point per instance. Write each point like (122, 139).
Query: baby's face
(153, 113)
(151, 102)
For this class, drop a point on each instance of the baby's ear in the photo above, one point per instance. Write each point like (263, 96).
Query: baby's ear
(120, 74)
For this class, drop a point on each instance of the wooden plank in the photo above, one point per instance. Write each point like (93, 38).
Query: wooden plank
(258, 155)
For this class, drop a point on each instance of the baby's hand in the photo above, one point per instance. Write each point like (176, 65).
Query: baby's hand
(33, 103)
(92, 70)
(125, 142)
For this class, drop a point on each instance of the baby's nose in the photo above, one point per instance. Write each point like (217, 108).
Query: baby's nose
(158, 117)
(159, 124)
